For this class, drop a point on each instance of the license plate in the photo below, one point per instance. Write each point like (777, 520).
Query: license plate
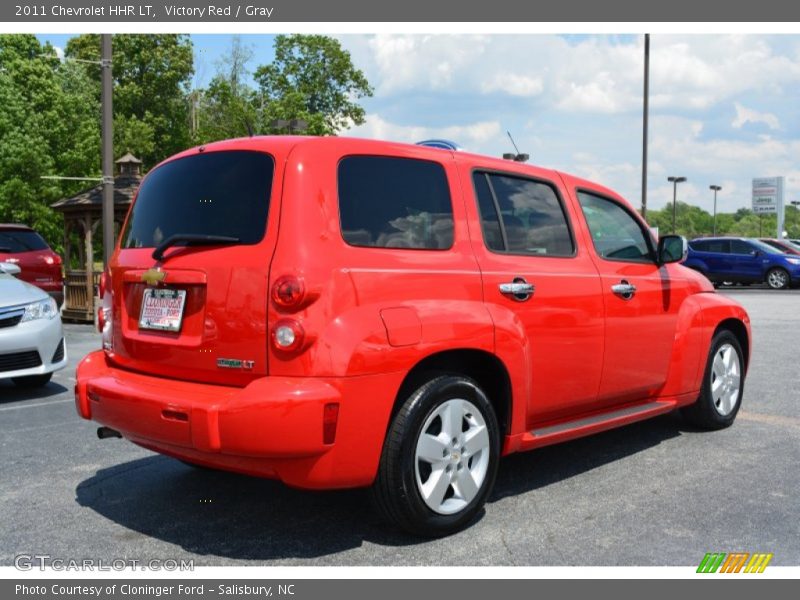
(162, 309)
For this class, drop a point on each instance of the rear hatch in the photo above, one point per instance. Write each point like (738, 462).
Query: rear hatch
(197, 310)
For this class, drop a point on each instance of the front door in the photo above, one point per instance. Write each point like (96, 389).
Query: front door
(538, 280)
(642, 300)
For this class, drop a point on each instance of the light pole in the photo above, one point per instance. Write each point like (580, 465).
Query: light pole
(716, 188)
(675, 181)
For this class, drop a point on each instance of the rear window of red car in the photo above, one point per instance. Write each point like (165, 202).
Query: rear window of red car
(219, 193)
(21, 240)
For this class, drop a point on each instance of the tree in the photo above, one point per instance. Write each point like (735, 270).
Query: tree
(152, 75)
(228, 106)
(311, 78)
(48, 126)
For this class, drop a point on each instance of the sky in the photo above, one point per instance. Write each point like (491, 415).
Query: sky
(723, 108)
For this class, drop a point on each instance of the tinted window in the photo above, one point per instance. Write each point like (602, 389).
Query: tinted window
(699, 245)
(531, 218)
(388, 202)
(21, 241)
(490, 223)
(616, 234)
(219, 193)
(740, 247)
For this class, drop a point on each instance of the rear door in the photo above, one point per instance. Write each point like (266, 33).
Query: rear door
(526, 239)
(200, 312)
(642, 300)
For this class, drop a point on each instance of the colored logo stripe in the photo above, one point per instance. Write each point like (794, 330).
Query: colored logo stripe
(734, 562)
(758, 563)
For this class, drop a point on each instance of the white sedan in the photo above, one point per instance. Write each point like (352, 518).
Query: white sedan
(31, 337)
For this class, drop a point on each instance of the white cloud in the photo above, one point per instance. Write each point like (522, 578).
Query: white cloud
(59, 53)
(747, 115)
(470, 136)
(596, 74)
(514, 85)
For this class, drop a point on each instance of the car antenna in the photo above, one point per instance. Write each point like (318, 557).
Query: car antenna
(519, 156)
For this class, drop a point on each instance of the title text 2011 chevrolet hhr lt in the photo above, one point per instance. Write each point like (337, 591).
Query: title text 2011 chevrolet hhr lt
(337, 313)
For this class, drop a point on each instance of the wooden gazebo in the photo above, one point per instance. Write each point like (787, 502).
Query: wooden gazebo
(84, 214)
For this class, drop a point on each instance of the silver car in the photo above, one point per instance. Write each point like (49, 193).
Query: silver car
(31, 336)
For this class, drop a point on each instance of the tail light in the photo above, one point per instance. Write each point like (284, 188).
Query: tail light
(288, 335)
(288, 292)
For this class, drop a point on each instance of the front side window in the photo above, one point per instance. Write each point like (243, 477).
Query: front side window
(740, 247)
(616, 234)
(521, 216)
(389, 202)
(218, 193)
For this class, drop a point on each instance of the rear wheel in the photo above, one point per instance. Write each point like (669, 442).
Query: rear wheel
(777, 278)
(439, 459)
(32, 381)
(723, 385)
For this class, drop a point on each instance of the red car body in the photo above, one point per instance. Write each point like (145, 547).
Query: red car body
(40, 266)
(365, 321)
(784, 246)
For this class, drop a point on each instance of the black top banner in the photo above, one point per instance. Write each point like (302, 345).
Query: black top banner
(495, 11)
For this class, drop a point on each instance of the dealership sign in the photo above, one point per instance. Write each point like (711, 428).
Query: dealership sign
(767, 195)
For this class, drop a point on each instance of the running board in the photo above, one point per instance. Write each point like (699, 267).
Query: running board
(551, 434)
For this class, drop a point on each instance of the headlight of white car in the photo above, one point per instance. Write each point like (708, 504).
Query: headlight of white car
(794, 261)
(44, 309)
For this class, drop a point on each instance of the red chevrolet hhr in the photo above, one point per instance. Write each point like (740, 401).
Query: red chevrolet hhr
(338, 312)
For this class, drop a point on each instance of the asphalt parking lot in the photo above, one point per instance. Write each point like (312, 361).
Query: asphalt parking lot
(653, 493)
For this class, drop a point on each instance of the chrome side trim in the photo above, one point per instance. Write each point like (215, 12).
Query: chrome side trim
(601, 418)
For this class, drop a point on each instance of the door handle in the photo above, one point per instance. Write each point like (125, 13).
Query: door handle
(624, 290)
(519, 289)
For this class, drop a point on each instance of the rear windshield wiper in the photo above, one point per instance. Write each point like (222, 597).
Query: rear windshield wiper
(189, 239)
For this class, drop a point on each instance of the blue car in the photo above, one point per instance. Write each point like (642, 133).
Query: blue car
(742, 260)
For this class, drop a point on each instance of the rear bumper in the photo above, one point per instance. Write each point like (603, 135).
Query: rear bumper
(271, 428)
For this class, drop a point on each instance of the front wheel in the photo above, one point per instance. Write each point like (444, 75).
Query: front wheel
(723, 385)
(777, 279)
(439, 459)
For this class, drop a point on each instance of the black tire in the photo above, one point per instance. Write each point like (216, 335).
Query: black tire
(396, 491)
(32, 381)
(704, 412)
(778, 279)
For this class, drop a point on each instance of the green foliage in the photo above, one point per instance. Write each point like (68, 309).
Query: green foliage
(692, 221)
(312, 78)
(48, 126)
(50, 109)
(152, 75)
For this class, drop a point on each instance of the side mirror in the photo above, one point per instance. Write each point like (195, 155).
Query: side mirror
(10, 268)
(672, 248)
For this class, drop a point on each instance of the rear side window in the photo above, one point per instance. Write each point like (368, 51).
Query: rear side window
(521, 216)
(616, 234)
(219, 193)
(16, 240)
(719, 246)
(387, 202)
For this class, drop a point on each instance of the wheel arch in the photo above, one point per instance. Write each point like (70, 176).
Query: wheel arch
(739, 330)
(484, 367)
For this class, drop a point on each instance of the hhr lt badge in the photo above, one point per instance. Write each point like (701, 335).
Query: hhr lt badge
(235, 363)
